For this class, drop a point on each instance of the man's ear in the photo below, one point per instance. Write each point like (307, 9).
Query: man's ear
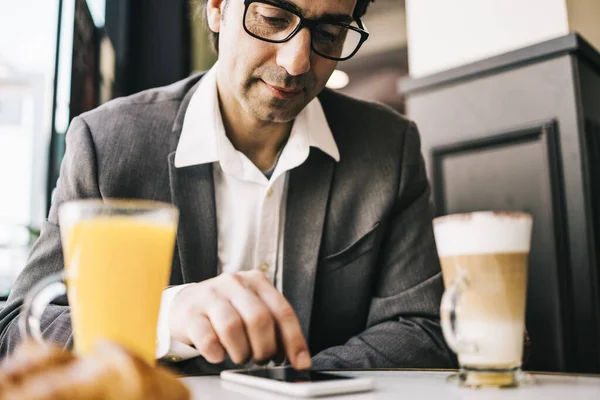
(214, 10)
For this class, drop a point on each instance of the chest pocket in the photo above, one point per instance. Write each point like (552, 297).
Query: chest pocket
(361, 247)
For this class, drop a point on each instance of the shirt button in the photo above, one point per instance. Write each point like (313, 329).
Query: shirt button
(264, 267)
(270, 192)
(174, 358)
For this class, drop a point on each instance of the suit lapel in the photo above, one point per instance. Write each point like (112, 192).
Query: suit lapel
(193, 192)
(308, 194)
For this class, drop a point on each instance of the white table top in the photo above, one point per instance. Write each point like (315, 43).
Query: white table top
(419, 385)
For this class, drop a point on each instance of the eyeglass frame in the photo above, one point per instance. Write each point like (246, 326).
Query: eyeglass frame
(310, 24)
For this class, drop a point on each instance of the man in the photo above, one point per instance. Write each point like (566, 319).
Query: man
(305, 223)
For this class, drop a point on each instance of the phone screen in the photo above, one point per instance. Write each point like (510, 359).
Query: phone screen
(290, 375)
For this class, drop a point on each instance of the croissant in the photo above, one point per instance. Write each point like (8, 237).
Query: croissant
(41, 372)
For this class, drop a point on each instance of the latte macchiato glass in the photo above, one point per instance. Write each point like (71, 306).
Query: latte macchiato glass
(484, 258)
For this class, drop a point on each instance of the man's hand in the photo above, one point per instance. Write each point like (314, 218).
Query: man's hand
(241, 315)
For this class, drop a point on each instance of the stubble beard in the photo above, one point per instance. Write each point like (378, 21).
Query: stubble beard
(267, 108)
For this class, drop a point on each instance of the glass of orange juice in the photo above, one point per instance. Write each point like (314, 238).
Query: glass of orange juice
(118, 256)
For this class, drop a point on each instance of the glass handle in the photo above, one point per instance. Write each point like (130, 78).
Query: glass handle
(36, 302)
(450, 314)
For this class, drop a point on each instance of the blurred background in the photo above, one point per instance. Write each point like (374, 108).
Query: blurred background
(506, 94)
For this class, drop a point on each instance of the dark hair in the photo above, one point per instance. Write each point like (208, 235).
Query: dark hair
(359, 11)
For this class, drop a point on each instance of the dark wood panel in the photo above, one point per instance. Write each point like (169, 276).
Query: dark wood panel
(592, 132)
(520, 170)
(568, 44)
(560, 80)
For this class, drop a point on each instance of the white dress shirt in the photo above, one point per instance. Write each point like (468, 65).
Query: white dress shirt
(250, 207)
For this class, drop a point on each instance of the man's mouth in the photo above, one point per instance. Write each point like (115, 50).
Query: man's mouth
(284, 92)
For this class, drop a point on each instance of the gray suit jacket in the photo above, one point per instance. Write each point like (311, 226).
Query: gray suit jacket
(360, 264)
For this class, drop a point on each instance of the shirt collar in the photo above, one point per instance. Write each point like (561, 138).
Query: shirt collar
(203, 127)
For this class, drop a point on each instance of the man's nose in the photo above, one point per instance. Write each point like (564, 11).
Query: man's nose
(294, 55)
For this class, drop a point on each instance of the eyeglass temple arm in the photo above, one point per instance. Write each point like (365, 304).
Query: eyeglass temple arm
(361, 25)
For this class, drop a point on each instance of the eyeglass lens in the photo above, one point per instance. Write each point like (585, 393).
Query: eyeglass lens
(273, 23)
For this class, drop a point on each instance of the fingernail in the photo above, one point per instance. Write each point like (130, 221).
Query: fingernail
(303, 360)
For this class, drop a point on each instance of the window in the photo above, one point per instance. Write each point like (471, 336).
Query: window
(28, 61)
(26, 91)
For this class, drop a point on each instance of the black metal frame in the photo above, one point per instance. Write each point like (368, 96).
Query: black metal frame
(53, 157)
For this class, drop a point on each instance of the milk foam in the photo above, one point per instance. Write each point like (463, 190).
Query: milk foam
(482, 233)
(499, 342)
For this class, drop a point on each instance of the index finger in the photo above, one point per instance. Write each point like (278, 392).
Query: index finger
(285, 317)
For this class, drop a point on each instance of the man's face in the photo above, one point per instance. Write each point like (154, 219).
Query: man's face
(273, 81)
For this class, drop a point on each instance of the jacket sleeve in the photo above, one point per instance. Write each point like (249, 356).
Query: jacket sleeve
(403, 329)
(78, 179)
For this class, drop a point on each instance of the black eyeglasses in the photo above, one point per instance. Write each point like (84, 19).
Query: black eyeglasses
(273, 22)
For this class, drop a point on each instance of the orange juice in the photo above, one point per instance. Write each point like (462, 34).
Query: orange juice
(117, 268)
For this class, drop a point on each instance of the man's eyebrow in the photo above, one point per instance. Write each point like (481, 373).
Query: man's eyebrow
(289, 5)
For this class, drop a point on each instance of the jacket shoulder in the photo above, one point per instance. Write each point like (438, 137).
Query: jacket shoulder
(156, 104)
(348, 111)
(133, 133)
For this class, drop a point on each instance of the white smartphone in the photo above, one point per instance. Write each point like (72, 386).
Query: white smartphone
(288, 381)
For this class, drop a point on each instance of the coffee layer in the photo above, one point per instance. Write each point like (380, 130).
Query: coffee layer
(497, 283)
